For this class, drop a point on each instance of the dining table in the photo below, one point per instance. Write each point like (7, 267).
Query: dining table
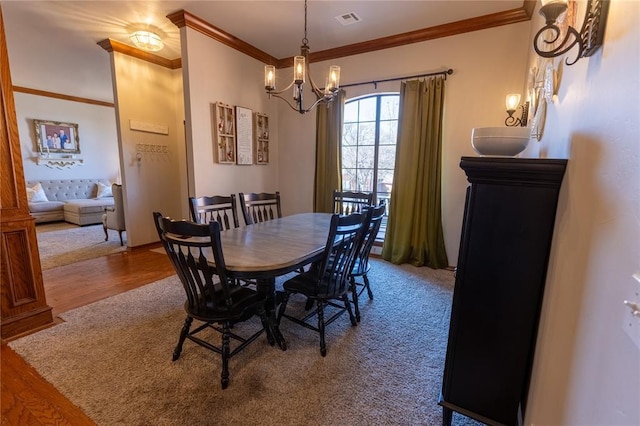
(263, 251)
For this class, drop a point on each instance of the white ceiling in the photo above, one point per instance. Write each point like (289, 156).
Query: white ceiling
(275, 27)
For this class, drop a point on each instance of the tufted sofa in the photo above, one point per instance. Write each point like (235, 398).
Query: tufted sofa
(72, 200)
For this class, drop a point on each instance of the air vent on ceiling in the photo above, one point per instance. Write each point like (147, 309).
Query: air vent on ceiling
(348, 18)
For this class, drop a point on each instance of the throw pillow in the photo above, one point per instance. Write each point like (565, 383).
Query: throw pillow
(36, 194)
(103, 190)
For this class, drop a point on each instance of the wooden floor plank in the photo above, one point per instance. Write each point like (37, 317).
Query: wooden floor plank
(71, 286)
(28, 399)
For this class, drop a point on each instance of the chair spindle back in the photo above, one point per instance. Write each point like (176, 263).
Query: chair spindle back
(260, 207)
(218, 208)
(343, 241)
(347, 202)
(370, 233)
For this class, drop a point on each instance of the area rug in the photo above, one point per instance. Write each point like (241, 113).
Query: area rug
(62, 243)
(113, 359)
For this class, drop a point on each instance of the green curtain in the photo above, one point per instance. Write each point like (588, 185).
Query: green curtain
(414, 228)
(328, 159)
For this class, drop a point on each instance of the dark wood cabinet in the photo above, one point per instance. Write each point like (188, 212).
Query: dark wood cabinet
(507, 230)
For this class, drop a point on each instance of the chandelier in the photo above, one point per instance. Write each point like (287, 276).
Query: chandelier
(300, 74)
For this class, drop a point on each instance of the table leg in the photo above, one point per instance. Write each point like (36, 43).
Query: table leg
(268, 287)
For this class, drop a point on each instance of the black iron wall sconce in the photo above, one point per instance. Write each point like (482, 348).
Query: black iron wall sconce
(546, 42)
(512, 101)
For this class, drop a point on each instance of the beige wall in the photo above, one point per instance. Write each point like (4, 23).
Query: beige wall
(151, 94)
(216, 73)
(96, 130)
(587, 368)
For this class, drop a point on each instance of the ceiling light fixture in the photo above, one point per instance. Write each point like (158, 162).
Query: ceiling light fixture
(300, 73)
(147, 40)
(589, 39)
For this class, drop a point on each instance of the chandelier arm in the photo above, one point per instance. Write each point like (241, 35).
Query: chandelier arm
(319, 100)
(277, 92)
(277, 95)
(316, 90)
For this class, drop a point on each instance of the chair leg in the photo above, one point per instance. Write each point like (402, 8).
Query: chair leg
(309, 304)
(183, 336)
(323, 344)
(347, 306)
(121, 242)
(366, 284)
(106, 234)
(354, 295)
(225, 355)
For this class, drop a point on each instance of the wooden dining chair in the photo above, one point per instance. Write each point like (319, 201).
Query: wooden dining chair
(347, 202)
(218, 208)
(259, 207)
(218, 305)
(328, 280)
(361, 264)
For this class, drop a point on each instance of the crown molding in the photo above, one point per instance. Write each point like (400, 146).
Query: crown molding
(182, 18)
(111, 45)
(492, 20)
(37, 92)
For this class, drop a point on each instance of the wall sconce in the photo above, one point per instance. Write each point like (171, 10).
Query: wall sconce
(589, 39)
(512, 101)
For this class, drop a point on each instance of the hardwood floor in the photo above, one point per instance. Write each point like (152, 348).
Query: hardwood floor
(28, 399)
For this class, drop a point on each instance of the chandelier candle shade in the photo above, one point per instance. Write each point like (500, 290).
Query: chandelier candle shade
(300, 74)
(147, 40)
(547, 41)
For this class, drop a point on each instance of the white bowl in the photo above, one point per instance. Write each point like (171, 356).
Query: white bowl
(500, 141)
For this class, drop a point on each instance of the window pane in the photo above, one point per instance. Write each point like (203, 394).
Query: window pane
(385, 182)
(367, 109)
(386, 157)
(385, 176)
(351, 112)
(366, 157)
(350, 134)
(389, 107)
(367, 134)
(388, 132)
(349, 156)
(365, 180)
(349, 179)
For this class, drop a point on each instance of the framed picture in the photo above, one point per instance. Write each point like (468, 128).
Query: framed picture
(56, 137)
(244, 136)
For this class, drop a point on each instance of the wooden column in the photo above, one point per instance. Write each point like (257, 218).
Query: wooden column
(23, 306)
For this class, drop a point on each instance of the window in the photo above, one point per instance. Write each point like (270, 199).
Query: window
(369, 144)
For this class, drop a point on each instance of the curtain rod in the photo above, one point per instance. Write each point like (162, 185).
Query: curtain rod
(375, 82)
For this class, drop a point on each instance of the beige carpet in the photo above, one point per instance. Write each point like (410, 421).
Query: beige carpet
(62, 243)
(113, 359)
